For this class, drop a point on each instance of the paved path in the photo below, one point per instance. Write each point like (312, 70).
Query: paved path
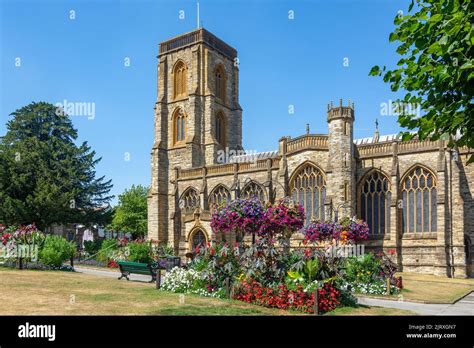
(111, 274)
(463, 307)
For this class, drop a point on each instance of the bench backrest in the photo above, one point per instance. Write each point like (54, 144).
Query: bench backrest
(135, 267)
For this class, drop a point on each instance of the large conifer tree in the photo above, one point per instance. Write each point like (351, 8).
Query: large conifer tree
(45, 177)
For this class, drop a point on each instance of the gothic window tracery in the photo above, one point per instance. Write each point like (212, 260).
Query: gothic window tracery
(308, 188)
(219, 196)
(189, 200)
(419, 201)
(374, 202)
(252, 189)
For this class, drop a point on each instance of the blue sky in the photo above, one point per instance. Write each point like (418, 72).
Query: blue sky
(282, 62)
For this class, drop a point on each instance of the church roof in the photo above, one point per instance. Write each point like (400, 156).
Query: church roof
(272, 154)
(253, 156)
(370, 140)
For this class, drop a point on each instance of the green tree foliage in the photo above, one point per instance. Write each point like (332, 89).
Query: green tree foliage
(44, 176)
(435, 69)
(131, 213)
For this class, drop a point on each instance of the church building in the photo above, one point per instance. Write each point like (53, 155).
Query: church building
(416, 196)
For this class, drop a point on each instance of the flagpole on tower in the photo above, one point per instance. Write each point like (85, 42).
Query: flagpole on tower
(198, 14)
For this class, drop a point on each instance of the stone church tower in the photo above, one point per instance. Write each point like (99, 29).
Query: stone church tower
(341, 164)
(197, 114)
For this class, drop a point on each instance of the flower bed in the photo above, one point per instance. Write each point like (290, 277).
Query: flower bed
(269, 274)
(283, 298)
(190, 281)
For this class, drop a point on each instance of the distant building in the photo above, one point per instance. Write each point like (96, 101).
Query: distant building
(416, 196)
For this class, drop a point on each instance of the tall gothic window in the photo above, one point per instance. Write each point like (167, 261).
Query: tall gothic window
(220, 82)
(189, 200)
(374, 202)
(179, 126)
(180, 73)
(252, 189)
(220, 128)
(219, 196)
(308, 188)
(418, 189)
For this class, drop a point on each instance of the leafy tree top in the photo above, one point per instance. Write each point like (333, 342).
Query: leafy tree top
(131, 213)
(435, 69)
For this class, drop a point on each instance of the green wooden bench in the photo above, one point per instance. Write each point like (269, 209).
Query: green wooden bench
(127, 268)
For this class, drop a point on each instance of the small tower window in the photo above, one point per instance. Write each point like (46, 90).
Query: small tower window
(346, 191)
(220, 82)
(347, 128)
(220, 128)
(180, 73)
(179, 126)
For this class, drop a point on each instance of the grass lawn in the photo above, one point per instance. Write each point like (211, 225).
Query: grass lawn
(67, 293)
(366, 310)
(433, 289)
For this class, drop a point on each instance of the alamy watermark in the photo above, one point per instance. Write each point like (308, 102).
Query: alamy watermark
(397, 108)
(37, 331)
(236, 156)
(19, 251)
(69, 108)
(345, 250)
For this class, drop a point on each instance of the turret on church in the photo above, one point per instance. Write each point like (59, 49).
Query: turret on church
(416, 196)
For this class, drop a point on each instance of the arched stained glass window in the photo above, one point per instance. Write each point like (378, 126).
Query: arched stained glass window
(308, 188)
(219, 196)
(252, 189)
(189, 200)
(419, 200)
(374, 202)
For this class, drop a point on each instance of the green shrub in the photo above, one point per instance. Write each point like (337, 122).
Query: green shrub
(92, 247)
(107, 249)
(56, 250)
(139, 252)
(363, 269)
